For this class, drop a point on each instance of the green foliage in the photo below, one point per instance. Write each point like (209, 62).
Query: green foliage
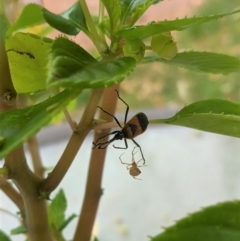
(71, 22)
(66, 221)
(114, 11)
(71, 66)
(67, 57)
(28, 51)
(19, 230)
(202, 61)
(141, 32)
(135, 49)
(56, 212)
(4, 237)
(217, 116)
(57, 209)
(18, 125)
(164, 46)
(65, 64)
(218, 222)
(2, 139)
(4, 25)
(132, 10)
(30, 16)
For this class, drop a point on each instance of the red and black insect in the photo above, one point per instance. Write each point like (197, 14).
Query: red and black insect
(134, 127)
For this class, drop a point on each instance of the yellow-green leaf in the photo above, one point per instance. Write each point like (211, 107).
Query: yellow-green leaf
(28, 56)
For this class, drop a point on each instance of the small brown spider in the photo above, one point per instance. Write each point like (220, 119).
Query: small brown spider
(133, 167)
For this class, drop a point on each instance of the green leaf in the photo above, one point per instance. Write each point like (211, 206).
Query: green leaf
(19, 230)
(219, 222)
(4, 237)
(66, 222)
(69, 22)
(164, 45)
(30, 16)
(70, 65)
(93, 76)
(132, 10)
(135, 49)
(57, 209)
(18, 125)
(4, 25)
(76, 15)
(114, 11)
(76, 57)
(27, 56)
(216, 116)
(96, 239)
(202, 61)
(141, 32)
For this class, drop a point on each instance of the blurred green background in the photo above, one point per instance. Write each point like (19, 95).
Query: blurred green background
(156, 85)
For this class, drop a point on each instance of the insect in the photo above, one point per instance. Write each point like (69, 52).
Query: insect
(133, 167)
(134, 127)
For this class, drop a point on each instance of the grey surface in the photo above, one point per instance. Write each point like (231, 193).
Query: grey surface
(185, 171)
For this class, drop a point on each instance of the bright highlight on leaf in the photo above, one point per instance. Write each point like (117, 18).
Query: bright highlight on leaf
(218, 222)
(27, 56)
(216, 116)
(30, 16)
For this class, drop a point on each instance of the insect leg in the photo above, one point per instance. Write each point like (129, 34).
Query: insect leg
(100, 144)
(126, 114)
(111, 115)
(126, 145)
(140, 150)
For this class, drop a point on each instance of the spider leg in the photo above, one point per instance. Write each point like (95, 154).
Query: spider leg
(126, 114)
(134, 149)
(126, 145)
(142, 166)
(137, 178)
(111, 115)
(140, 160)
(140, 150)
(124, 162)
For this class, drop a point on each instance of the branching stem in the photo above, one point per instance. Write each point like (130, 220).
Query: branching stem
(93, 190)
(73, 146)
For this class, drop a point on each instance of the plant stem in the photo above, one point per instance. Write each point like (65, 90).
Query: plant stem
(27, 183)
(100, 45)
(93, 190)
(65, 112)
(13, 195)
(36, 159)
(73, 146)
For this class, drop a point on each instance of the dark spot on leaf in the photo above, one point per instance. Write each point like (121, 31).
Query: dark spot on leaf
(22, 53)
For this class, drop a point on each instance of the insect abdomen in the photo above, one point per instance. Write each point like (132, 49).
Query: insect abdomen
(135, 126)
(143, 120)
